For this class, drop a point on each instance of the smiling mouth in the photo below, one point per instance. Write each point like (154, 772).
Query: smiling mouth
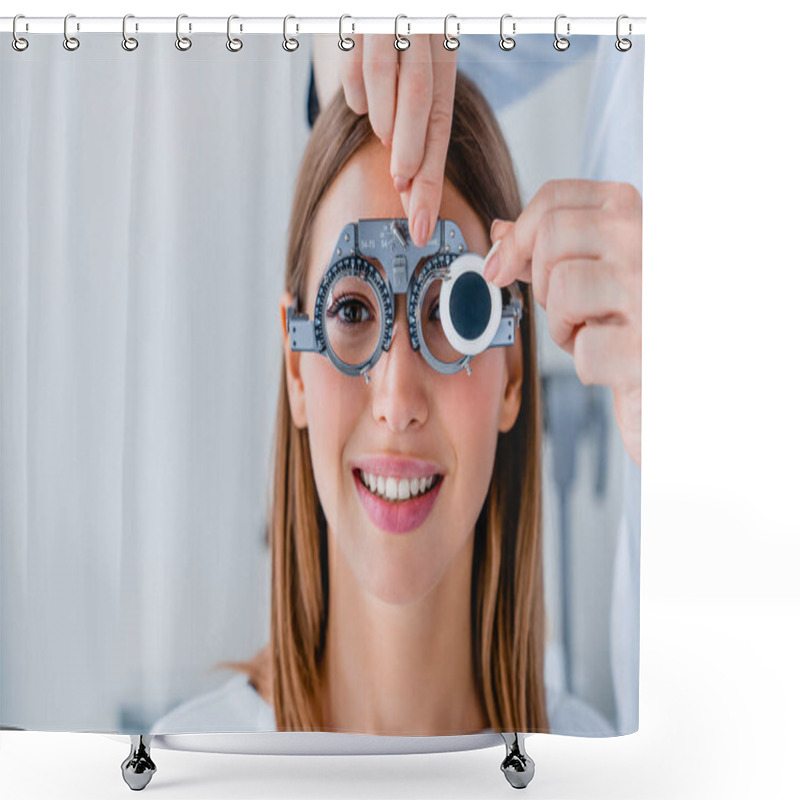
(397, 490)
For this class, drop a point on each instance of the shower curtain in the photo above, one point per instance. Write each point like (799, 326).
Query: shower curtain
(154, 204)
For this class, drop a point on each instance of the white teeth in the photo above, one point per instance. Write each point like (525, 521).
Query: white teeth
(391, 488)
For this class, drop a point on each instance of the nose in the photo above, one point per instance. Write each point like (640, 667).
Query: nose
(401, 379)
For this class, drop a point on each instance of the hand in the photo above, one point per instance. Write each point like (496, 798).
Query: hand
(579, 243)
(409, 98)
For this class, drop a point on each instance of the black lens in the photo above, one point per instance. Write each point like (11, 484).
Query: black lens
(470, 305)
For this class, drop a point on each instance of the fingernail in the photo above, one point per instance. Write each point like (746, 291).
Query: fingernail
(401, 184)
(421, 228)
(498, 228)
(492, 263)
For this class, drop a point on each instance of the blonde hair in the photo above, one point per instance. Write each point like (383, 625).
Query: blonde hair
(507, 597)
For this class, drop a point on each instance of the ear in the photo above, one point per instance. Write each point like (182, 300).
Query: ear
(291, 360)
(512, 394)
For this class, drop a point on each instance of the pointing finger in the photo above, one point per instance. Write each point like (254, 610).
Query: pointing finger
(426, 187)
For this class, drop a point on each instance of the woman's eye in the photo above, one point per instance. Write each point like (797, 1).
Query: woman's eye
(434, 313)
(352, 312)
(349, 311)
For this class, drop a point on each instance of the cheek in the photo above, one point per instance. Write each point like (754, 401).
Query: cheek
(470, 407)
(334, 404)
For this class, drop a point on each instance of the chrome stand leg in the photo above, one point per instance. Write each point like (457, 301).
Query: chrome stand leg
(138, 768)
(517, 766)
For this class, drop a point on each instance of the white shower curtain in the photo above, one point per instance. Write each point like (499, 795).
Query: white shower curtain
(141, 246)
(145, 202)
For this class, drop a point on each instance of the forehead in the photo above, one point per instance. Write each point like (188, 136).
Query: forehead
(364, 190)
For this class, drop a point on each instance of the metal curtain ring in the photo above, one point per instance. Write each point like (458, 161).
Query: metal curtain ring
(401, 42)
(506, 42)
(18, 43)
(289, 44)
(560, 43)
(128, 42)
(234, 45)
(345, 42)
(70, 42)
(623, 45)
(451, 42)
(182, 42)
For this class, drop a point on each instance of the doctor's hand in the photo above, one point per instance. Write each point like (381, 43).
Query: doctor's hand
(579, 243)
(409, 98)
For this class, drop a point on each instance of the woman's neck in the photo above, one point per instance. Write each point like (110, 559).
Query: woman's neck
(400, 669)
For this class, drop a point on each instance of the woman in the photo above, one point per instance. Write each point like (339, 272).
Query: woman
(439, 630)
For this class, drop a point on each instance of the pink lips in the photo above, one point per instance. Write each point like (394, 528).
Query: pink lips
(397, 516)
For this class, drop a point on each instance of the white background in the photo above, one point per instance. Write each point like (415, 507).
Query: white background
(720, 609)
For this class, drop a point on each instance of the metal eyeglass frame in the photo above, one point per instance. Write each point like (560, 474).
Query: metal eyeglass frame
(388, 241)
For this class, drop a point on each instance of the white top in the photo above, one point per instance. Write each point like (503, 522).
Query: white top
(236, 707)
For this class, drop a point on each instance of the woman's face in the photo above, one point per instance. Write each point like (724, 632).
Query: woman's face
(408, 424)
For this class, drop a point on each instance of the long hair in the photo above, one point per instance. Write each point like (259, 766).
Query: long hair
(507, 596)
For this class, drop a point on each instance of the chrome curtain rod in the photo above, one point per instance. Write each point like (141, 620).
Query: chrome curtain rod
(513, 26)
